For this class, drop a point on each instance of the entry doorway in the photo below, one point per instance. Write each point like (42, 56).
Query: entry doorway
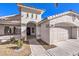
(28, 31)
(31, 30)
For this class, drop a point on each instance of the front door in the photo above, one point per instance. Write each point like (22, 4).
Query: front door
(28, 31)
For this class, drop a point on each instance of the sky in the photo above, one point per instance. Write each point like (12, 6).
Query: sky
(8, 9)
(49, 8)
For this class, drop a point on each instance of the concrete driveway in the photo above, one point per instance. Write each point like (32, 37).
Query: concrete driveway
(65, 48)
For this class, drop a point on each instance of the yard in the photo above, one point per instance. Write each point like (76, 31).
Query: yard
(10, 50)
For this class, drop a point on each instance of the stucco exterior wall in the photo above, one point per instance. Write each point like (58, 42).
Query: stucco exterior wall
(29, 17)
(45, 32)
(38, 32)
(1, 30)
(65, 18)
(78, 32)
(25, 19)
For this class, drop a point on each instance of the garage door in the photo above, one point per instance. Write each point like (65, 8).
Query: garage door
(60, 34)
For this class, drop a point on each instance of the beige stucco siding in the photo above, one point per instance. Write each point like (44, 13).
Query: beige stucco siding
(45, 32)
(1, 30)
(38, 32)
(29, 16)
(78, 33)
(65, 18)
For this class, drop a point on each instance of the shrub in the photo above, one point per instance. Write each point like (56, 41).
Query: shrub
(19, 43)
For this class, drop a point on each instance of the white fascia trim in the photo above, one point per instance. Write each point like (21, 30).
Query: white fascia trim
(61, 14)
(8, 16)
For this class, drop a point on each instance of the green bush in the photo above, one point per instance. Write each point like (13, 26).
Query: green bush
(19, 43)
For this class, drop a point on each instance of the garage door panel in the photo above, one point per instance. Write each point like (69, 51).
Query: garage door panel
(61, 34)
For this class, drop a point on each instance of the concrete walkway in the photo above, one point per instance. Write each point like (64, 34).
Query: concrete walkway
(37, 49)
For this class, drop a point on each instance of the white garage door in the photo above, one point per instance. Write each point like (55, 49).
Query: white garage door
(60, 34)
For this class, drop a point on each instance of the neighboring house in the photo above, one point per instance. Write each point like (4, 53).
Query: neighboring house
(55, 28)
(10, 26)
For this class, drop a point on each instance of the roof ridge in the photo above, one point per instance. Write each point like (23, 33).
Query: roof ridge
(30, 7)
(63, 13)
(8, 16)
(57, 15)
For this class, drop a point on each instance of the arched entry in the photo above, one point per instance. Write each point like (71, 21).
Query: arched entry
(63, 31)
(31, 29)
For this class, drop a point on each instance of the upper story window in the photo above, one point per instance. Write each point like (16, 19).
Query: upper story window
(32, 16)
(33, 30)
(27, 15)
(36, 16)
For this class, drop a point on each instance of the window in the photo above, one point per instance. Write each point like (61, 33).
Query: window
(73, 17)
(7, 30)
(27, 15)
(33, 30)
(32, 16)
(36, 16)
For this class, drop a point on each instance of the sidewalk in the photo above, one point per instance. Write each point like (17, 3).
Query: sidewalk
(37, 49)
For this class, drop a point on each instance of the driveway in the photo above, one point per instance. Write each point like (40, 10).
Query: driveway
(66, 48)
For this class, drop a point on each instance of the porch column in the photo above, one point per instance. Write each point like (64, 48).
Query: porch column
(23, 32)
(37, 32)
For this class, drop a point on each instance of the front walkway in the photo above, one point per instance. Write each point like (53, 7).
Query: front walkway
(37, 49)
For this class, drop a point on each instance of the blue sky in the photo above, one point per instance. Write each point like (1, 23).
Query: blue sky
(8, 9)
(50, 9)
